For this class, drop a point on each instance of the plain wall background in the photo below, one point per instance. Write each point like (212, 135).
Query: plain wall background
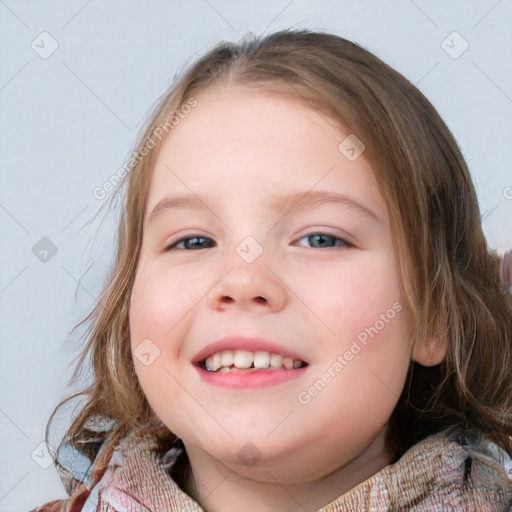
(67, 123)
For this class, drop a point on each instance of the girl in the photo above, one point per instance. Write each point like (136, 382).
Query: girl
(303, 313)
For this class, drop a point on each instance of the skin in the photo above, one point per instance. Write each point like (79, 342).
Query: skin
(306, 293)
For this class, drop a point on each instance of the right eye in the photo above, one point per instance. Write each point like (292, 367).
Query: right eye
(187, 245)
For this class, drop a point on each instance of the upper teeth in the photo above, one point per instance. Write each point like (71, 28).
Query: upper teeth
(244, 359)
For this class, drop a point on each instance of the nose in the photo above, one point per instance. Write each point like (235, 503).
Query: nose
(249, 286)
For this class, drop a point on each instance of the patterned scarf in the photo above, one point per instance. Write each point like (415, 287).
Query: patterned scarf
(446, 472)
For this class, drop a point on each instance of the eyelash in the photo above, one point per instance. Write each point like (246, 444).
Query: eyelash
(343, 242)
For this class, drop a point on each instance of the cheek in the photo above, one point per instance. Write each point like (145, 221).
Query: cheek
(160, 302)
(355, 296)
(357, 386)
(159, 307)
(364, 364)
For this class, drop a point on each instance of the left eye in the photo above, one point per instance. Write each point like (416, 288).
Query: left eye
(321, 240)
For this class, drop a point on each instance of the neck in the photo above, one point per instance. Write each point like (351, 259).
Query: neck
(221, 488)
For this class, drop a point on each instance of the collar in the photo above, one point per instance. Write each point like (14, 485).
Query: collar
(451, 468)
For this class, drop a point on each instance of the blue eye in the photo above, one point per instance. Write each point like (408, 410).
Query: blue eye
(320, 239)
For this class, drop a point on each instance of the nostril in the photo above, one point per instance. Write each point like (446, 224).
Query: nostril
(261, 299)
(227, 299)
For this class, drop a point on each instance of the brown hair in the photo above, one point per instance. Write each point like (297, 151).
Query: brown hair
(449, 278)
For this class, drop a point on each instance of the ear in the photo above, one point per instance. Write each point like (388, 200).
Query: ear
(429, 351)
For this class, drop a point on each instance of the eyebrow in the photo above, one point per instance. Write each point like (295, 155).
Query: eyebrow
(282, 203)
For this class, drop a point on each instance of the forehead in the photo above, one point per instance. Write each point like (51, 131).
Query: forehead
(242, 126)
(237, 142)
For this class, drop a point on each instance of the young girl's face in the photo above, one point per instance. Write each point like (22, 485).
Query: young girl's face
(239, 258)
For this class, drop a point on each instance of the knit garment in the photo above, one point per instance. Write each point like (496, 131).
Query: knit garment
(446, 472)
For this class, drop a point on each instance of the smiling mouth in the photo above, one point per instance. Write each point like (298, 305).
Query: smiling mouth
(246, 360)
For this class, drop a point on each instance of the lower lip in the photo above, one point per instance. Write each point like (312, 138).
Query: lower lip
(239, 379)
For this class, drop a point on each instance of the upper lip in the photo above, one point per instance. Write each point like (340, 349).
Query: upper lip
(252, 344)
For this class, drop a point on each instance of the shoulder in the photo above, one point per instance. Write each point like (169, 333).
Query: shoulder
(461, 467)
(485, 467)
(454, 470)
(80, 475)
(127, 471)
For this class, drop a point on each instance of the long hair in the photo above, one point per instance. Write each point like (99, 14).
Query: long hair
(448, 277)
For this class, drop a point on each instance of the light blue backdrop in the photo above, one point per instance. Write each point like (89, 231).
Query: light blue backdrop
(77, 78)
